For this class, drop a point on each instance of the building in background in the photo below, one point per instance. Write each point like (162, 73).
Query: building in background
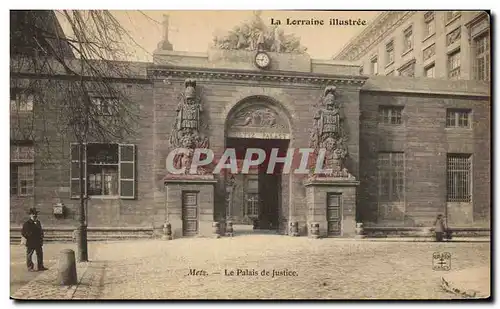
(416, 148)
(434, 44)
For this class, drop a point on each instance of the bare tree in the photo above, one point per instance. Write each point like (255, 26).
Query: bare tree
(76, 80)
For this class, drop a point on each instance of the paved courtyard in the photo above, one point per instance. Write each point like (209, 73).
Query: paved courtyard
(229, 268)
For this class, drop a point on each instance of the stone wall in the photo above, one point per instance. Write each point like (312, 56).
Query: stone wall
(425, 141)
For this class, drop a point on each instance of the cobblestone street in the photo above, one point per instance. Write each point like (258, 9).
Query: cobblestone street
(324, 269)
(328, 268)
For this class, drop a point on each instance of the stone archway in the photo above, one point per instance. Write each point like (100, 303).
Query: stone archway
(258, 117)
(258, 198)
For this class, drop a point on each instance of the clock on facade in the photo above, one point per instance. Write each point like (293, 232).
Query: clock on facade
(262, 60)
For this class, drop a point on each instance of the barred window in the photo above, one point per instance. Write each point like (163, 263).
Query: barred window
(391, 176)
(408, 39)
(429, 24)
(389, 52)
(458, 118)
(390, 114)
(454, 65)
(482, 57)
(459, 178)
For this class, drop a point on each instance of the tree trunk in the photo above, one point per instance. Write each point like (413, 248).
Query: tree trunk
(82, 227)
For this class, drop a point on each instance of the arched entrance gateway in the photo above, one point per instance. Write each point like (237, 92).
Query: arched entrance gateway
(257, 128)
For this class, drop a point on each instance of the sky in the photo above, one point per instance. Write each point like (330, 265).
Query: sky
(193, 31)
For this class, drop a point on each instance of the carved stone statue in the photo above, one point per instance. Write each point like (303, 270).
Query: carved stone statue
(277, 40)
(256, 35)
(328, 118)
(328, 134)
(186, 129)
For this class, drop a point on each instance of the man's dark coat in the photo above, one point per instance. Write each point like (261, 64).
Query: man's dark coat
(33, 232)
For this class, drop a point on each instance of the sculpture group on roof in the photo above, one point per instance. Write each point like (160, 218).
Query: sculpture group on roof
(255, 35)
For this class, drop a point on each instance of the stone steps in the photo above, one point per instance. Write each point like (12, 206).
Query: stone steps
(93, 233)
(387, 231)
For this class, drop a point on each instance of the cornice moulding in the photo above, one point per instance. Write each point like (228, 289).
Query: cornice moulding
(362, 43)
(268, 76)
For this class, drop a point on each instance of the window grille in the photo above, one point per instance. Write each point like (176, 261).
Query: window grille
(459, 178)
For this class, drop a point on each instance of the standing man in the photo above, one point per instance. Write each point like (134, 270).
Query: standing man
(33, 233)
(439, 228)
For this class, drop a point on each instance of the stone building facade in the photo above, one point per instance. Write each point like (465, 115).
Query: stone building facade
(434, 44)
(404, 150)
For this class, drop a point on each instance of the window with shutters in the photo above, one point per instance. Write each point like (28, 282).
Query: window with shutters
(109, 170)
(391, 176)
(482, 57)
(22, 175)
(459, 168)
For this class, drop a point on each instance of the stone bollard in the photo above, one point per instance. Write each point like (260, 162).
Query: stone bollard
(360, 231)
(229, 228)
(315, 230)
(67, 268)
(216, 229)
(294, 228)
(167, 231)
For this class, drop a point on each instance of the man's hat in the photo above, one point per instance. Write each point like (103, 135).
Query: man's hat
(33, 211)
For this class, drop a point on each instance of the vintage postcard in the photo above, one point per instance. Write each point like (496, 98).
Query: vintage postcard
(250, 155)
